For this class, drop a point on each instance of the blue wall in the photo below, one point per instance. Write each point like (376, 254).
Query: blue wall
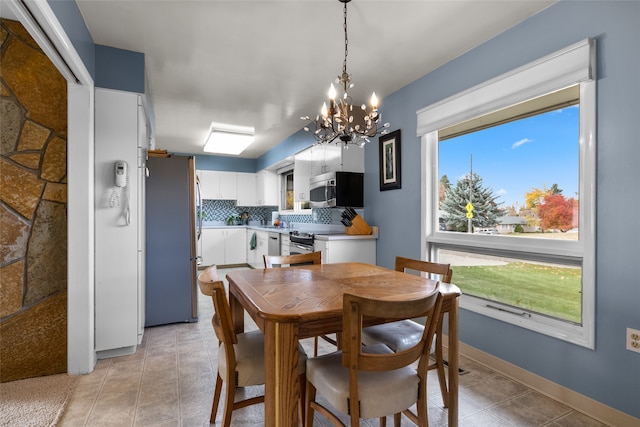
(292, 145)
(609, 374)
(119, 69)
(227, 164)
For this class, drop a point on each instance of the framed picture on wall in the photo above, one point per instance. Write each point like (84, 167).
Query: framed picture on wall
(390, 170)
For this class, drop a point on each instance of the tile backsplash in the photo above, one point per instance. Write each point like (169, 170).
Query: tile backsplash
(220, 210)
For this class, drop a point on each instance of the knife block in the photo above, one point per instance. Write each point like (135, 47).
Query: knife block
(358, 227)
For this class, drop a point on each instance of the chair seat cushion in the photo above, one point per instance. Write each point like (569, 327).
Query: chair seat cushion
(398, 336)
(381, 393)
(250, 359)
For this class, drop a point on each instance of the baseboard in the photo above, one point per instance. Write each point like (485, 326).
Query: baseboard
(116, 352)
(594, 409)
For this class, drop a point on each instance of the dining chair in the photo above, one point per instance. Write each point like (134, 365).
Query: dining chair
(240, 356)
(293, 260)
(405, 333)
(373, 381)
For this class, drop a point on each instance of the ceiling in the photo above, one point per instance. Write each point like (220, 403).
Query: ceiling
(264, 64)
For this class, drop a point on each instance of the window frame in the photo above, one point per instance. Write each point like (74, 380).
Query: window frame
(570, 66)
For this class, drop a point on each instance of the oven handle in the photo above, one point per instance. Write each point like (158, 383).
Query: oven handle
(326, 190)
(302, 247)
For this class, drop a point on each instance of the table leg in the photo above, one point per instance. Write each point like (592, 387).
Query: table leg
(453, 364)
(237, 314)
(281, 376)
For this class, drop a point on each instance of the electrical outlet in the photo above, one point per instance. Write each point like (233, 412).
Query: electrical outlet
(633, 340)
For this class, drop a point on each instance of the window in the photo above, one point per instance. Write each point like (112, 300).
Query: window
(287, 186)
(509, 195)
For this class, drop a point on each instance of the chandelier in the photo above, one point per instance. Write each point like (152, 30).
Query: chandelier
(340, 120)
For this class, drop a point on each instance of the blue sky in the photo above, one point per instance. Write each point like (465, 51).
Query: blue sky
(515, 157)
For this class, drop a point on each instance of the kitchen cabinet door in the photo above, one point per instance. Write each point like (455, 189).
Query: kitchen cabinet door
(254, 256)
(235, 251)
(301, 175)
(251, 253)
(284, 245)
(228, 185)
(213, 247)
(263, 248)
(336, 158)
(348, 250)
(247, 189)
(326, 158)
(209, 184)
(267, 188)
(351, 159)
(217, 185)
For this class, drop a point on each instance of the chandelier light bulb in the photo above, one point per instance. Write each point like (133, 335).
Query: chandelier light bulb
(332, 92)
(324, 110)
(374, 100)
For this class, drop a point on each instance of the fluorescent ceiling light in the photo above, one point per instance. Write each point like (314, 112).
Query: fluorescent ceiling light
(228, 139)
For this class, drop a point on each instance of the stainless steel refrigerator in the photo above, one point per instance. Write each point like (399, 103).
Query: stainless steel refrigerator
(171, 262)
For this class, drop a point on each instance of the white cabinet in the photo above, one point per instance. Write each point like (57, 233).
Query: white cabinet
(351, 159)
(301, 175)
(255, 256)
(212, 246)
(247, 195)
(327, 158)
(223, 246)
(217, 185)
(257, 189)
(234, 246)
(284, 244)
(347, 250)
(120, 135)
(251, 253)
(267, 190)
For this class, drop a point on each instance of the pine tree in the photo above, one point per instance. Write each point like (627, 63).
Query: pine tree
(443, 186)
(486, 210)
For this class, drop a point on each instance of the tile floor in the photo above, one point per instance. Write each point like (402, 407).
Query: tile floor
(169, 382)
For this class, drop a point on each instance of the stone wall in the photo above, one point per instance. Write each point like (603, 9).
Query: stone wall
(33, 209)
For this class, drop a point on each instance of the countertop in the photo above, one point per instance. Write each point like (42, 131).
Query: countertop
(332, 234)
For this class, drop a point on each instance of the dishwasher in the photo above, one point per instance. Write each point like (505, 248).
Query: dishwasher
(273, 248)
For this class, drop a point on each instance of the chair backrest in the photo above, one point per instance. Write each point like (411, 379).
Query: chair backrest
(291, 260)
(443, 270)
(356, 309)
(210, 285)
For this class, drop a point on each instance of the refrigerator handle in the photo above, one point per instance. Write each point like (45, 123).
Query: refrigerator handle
(199, 202)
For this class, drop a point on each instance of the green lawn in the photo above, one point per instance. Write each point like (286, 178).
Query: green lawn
(553, 291)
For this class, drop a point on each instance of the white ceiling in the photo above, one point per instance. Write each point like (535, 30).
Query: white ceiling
(267, 63)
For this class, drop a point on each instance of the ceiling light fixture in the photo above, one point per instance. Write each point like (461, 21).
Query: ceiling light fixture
(228, 139)
(341, 120)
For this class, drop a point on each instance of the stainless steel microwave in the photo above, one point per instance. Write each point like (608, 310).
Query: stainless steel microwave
(337, 189)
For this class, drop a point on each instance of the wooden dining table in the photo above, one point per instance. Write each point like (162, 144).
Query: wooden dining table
(292, 303)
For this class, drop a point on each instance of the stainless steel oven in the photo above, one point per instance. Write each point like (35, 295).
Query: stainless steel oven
(300, 243)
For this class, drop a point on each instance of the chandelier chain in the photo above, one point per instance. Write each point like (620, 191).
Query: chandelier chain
(346, 41)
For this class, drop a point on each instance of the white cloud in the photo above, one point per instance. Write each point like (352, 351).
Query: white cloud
(521, 142)
(502, 192)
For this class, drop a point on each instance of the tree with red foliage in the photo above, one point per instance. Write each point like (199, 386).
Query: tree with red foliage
(557, 212)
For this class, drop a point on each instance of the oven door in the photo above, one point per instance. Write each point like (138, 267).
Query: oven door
(297, 248)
